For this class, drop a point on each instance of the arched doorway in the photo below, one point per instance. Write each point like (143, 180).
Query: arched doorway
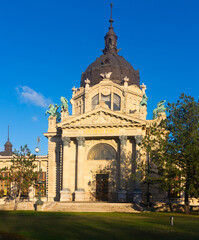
(102, 151)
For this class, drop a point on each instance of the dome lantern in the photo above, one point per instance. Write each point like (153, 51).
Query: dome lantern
(110, 39)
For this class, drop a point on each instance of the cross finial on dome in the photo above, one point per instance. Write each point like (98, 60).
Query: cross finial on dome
(8, 132)
(111, 19)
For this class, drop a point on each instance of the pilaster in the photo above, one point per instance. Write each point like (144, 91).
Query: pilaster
(80, 192)
(137, 193)
(66, 192)
(122, 188)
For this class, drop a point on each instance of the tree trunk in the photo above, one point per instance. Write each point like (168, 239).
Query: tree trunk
(186, 200)
(17, 200)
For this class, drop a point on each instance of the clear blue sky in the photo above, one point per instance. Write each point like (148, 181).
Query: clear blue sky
(45, 45)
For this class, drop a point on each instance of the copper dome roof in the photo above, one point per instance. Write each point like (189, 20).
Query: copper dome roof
(116, 64)
(110, 61)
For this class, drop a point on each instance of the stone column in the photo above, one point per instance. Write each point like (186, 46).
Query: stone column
(122, 188)
(65, 192)
(80, 192)
(51, 174)
(137, 193)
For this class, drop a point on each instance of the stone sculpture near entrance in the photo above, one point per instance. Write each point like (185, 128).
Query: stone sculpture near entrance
(160, 109)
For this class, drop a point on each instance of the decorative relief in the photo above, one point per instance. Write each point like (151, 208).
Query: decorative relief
(105, 91)
(101, 118)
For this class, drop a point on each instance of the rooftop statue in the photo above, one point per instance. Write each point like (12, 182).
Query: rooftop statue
(64, 104)
(144, 100)
(106, 75)
(53, 111)
(160, 108)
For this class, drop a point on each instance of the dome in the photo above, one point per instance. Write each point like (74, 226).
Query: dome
(110, 61)
(114, 63)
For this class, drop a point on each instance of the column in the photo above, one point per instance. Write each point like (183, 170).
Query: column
(51, 174)
(65, 193)
(137, 193)
(122, 187)
(80, 192)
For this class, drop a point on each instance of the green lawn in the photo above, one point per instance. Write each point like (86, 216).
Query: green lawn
(102, 226)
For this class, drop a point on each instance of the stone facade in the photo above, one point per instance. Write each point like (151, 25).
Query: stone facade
(92, 153)
(89, 136)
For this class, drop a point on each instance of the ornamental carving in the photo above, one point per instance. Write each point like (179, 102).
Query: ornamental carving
(66, 141)
(105, 91)
(138, 139)
(81, 141)
(123, 140)
(101, 118)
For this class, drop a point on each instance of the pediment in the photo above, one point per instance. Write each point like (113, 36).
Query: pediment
(101, 117)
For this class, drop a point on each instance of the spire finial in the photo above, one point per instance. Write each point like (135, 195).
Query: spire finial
(111, 20)
(110, 39)
(8, 132)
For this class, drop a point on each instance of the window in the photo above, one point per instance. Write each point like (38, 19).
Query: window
(115, 106)
(4, 185)
(116, 102)
(95, 101)
(107, 100)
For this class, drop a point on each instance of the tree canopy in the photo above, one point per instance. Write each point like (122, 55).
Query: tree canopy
(21, 174)
(172, 146)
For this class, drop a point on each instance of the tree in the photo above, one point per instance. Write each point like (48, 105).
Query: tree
(20, 174)
(173, 147)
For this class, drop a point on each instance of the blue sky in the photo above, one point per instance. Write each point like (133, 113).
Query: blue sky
(45, 45)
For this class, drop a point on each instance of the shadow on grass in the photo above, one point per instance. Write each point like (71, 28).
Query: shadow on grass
(11, 236)
(49, 225)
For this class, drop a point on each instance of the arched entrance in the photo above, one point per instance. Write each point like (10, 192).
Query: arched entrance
(106, 152)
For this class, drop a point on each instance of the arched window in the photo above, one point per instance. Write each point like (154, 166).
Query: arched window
(116, 102)
(106, 99)
(95, 101)
(102, 151)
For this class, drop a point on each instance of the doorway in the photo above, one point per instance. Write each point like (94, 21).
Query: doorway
(102, 187)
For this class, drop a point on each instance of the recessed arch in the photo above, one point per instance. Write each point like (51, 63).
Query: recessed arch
(102, 151)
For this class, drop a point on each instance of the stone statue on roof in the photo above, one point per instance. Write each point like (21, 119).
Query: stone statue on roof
(144, 100)
(64, 104)
(160, 108)
(53, 111)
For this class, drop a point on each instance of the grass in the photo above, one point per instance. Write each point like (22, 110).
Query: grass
(102, 226)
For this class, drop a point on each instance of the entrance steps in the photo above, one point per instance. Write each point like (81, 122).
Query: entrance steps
(87, 207)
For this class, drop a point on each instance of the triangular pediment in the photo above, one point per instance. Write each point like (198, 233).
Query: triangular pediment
(101, 117)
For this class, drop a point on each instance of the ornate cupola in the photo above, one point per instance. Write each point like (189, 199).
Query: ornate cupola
(7, 147)
(110, 61)
(110, 39)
